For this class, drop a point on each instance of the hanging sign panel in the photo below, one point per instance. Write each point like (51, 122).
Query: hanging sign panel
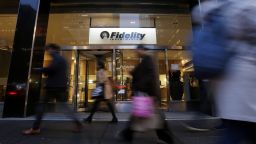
(122, 36)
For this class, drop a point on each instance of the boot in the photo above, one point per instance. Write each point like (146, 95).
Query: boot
(88, 119)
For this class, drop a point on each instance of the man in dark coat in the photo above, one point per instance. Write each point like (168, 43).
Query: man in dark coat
(146, 79)
(55, 88)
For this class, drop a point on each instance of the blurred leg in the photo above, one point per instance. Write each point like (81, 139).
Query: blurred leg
(62, 98)
(204, 102)
(164, 133)
(127, 133)
(94, 108)
(40, 110)
(69, 112)
(111, 108)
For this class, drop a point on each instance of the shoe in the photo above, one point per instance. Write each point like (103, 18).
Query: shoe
(78, 128)
(114, 120)
(88, 119)
(31, 131)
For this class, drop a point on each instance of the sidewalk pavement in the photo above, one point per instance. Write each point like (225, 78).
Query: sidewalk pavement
(57, 130)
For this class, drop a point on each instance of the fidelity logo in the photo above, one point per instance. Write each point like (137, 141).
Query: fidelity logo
(122, 35)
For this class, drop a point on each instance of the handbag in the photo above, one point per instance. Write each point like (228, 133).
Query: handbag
(142, 105)
(209, 47)
(97, 92)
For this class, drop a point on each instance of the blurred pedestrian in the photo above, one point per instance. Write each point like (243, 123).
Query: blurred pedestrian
(210, 57)
(235, 89)
(145, 83)
(55, 88)
(106, 95)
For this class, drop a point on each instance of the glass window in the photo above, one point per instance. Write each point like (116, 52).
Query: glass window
(7, 31)
(68, 29)
(125, 61)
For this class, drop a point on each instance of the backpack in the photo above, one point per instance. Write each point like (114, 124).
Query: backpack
(209, 47)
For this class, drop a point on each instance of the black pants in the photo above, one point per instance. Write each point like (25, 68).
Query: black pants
(206, 102)
(96, 105)
(238, 132)
(53, 93)
(163, 134)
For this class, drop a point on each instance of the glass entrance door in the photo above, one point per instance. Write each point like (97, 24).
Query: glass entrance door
(125, 61)
(118, 64)
(86, 75)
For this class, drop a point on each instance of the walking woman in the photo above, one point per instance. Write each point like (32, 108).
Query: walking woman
(145, 82)
(102, 81)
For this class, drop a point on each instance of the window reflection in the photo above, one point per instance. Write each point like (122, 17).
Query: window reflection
(7, 31)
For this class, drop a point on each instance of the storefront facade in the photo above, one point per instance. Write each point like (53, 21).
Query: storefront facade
(85, 30)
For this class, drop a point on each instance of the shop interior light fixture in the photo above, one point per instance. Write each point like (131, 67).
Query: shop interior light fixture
(90, 81)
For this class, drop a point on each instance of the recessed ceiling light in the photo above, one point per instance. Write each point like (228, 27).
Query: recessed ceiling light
(132, 22)
(84, 15)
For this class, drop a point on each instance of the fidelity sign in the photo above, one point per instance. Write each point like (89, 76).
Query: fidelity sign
(122, 36)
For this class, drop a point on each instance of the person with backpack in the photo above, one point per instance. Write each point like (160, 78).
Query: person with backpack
(233, 74)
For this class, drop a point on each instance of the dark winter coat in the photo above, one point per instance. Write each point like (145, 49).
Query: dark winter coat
(146, 77)
(56, 72)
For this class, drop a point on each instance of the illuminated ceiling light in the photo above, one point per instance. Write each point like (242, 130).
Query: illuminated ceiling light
(84, 15)
(132, 22)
